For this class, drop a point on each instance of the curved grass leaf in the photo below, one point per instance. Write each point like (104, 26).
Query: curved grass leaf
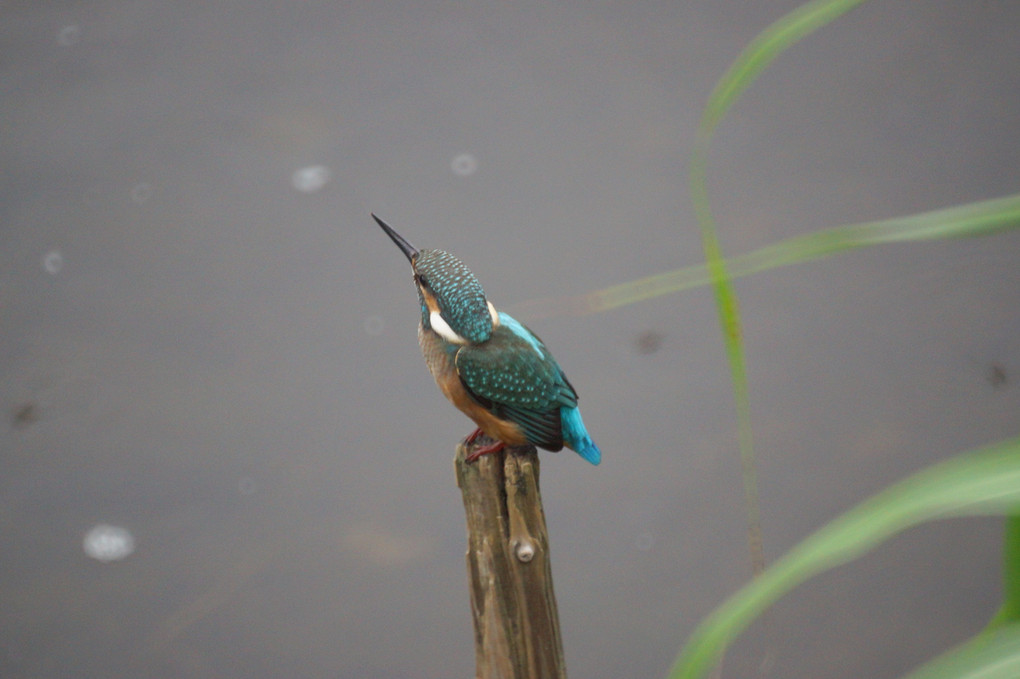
(763, 50)
(972, 219)
(1009, 611)
(983, 482)
(769, 44)
(993, 656)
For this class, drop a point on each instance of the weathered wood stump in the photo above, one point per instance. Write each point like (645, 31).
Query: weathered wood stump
(517, 629)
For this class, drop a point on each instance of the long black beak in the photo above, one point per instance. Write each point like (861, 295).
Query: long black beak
(408, 249)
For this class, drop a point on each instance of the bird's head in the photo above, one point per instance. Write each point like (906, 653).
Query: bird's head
(453, 303)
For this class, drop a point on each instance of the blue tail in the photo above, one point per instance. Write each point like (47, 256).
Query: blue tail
(576, 437)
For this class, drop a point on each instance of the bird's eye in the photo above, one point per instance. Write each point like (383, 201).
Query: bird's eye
(421, 281)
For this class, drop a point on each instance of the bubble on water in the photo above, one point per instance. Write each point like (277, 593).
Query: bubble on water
(246, 485)
(141, 192)
(310, 179)
(108, 543)
(53, 262)
(374, 325)
(69, 35)
(464, 165)
(644, 541)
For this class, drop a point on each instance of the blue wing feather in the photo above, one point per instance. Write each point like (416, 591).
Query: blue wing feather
(515, 377)
(518, 328)
(576, 437)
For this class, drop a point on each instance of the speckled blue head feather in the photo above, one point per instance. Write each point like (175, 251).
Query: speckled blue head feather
(461, 298)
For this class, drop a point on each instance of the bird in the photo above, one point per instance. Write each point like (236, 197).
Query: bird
(489, 365)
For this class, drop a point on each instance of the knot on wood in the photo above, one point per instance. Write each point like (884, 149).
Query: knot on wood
(524, 550)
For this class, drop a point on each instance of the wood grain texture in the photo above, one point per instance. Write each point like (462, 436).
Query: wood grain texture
(517, 633)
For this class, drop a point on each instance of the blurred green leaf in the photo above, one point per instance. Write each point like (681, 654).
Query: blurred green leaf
(993, 656)
(745, 70)
(972, 219)
(983, 482)
(1009, 612)
(763, 50)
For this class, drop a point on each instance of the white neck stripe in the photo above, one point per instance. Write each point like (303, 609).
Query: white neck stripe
(443, 328)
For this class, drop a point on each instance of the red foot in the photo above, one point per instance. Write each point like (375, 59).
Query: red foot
(483, 450)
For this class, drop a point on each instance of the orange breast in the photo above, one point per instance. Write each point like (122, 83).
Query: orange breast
(440, 363)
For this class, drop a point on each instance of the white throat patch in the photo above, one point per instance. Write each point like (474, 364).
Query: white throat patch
(444, 330)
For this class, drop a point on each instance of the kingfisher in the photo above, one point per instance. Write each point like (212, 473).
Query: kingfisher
(489, 365)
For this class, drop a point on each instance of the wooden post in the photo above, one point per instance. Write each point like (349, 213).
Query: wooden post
(517, 629)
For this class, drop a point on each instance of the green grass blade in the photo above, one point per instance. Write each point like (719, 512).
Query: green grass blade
(771, 42)
(986, 481)
(768, 45)
(972, 219)
(1009, 612)
(993, 656)
(728, 308)
(982, 482)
